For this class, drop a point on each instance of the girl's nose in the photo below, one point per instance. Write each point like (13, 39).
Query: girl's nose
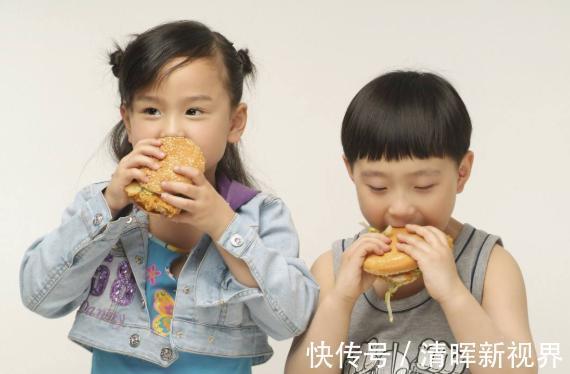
(172, 127)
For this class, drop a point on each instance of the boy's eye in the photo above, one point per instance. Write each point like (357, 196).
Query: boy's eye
(424, 188)
(193, 112)
(377, 189)
(151, 111)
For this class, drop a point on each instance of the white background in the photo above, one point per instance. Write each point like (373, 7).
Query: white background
(509, 60)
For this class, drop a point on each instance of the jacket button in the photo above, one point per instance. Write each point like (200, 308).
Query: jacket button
(97, 219)
(186, 290)
(166, 354)
(130, 219)
(236, 240)
(210, 339)
(138, 260)
(135, 340)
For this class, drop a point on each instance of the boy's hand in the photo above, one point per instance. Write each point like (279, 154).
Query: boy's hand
(435, 260)
(201, 205)
(351, 280)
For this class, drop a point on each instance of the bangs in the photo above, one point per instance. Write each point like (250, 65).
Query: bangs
(146, 57)
(406, 115)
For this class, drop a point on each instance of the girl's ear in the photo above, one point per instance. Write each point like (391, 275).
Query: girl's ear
(464, 171)
(348, 167)
(126, 120)
(237, 123)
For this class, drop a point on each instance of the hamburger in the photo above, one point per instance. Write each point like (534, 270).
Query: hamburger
(179, 151)
(395, 267)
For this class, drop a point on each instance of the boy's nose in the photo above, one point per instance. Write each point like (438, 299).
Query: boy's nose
(401, 212)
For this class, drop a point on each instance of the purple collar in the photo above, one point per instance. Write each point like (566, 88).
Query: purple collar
(235, 193)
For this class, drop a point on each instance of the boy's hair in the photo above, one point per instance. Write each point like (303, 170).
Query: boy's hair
(406, 114)
(139, 65)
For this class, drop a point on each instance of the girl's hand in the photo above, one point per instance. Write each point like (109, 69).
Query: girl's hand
(435, 260)
(351, 280)
(144, 154)
(201, 205)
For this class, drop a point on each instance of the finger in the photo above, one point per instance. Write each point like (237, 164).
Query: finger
(151, 141)
(367, 246)
(414, 240)
(180, 188)
(177, 201)
(415, 253)
(139, 161)
(136, 174)
(193, 174)
(151, 151)
(380, 236)
(367, 241)
(426, 234)
(441, 236)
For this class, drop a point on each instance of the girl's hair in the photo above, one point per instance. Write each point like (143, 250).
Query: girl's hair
(138, 67)
(406, 114)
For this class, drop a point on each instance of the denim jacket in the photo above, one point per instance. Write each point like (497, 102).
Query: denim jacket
(97, 264)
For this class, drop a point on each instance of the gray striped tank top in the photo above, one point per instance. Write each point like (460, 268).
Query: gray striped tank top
(420, 327)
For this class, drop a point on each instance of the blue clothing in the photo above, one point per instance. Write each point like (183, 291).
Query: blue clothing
(161, 294)
(96, 264)
(188, 363)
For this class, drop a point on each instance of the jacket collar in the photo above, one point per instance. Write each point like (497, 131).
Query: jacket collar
(235, 194)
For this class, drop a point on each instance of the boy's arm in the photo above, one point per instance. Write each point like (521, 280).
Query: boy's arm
(501, 318)
(329, 325)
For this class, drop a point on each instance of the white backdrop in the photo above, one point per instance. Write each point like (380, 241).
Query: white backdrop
(509, 61)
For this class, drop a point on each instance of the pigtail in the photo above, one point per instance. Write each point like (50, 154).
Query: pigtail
(247, 66)
(115, 60)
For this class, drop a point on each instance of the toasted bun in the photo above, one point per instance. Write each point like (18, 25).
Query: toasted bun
(394, 262)
(179, 151)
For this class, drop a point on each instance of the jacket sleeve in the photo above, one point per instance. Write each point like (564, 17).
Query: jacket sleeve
(56, 271)
(271, 251)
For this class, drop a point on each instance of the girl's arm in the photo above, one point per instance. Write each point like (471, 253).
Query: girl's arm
(55, 275)
(502, 318)
(284, 295)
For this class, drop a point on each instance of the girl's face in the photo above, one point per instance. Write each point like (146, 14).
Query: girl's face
(413, 191)
(193, 102)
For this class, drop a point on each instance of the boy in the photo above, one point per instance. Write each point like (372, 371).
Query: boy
(406, 139)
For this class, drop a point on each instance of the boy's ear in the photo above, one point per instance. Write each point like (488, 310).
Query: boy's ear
(237, 123)
(348, 167)
(126, 120)
(464, 170)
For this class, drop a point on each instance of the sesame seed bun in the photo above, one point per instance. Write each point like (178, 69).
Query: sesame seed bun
(179, 151)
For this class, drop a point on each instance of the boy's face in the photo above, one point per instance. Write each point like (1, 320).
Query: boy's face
(414, 191)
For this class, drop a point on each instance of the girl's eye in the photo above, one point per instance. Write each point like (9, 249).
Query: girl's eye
(151, 111)
(193, 112)
(424, 188)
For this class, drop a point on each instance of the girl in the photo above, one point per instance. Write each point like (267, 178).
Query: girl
(203, 289)
(406, 139)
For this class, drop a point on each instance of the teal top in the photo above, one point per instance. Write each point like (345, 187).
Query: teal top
(161, 294)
